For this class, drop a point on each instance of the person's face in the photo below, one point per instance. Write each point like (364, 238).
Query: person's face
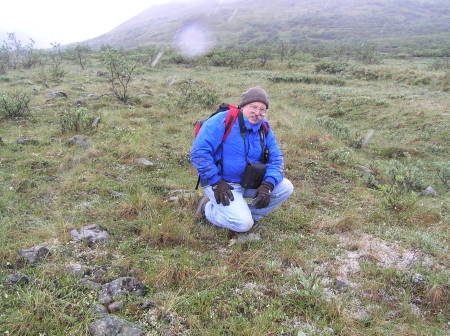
(254, 112)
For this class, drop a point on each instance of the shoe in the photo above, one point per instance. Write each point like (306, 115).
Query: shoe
(200, 212)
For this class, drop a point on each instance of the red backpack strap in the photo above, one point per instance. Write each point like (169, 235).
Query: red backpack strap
(265, 126)
(229, 120)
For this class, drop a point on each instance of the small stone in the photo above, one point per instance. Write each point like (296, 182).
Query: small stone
(244, 238)
(90, 284)
(35, 253)
(91, 233)
(428, 191)
(122, 286)
(79, 140)
(80, 103)
(173, 199)
(17, 279)
(340, 285)
(25, 141)
(105, 299)
(76, 269)
(115, 326)
(102, 74)
(414, 310)
(56, 94)
(148, 304)
(95, 122)
(100, 309)
(116, 194)
(115, 306)
(418, 279)
(365, 169)
(144, 162)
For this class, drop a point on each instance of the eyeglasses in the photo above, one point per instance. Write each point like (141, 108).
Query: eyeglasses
(261, 110)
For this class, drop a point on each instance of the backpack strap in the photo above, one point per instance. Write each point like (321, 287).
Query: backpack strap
(229, 120)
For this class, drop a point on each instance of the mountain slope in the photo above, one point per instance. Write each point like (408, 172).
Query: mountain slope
(295, 21)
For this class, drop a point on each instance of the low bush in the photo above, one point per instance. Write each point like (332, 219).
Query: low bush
(74, 120)
(307, 80)
(341, 156)
(443, 172)
(406, 175)
(14, 105)
(331, 67)
(351, 137)
(192, 93)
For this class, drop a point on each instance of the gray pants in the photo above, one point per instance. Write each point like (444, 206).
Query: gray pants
(239, 216)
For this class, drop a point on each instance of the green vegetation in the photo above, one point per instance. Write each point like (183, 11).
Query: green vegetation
(357, 250)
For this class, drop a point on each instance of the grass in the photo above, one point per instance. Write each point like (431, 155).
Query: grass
(283, 284)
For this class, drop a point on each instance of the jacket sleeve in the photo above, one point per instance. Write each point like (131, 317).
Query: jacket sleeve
(205, 146)
(275, 166)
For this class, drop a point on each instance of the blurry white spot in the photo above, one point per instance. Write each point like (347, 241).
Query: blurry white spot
(232, 15)
(369, 135)
(193, 40)
(157, 58)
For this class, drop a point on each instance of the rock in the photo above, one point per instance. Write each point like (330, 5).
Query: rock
(418, 279)
(244, 238)
(100, 309)
(115, 306)
(34, 254)
(95, 122)
(122, 286)
(79, 140)
(414, 310)
(105, 299)
(102, 74)
(80, 103)
(77, 269)
(341, 285)
(56, 94)
(90, 284)
(148, 304)
(365, 169)
(91, 233)
(25, 141)
(115, 326)
(116, 194)
(144, 162)
(428, 191)
(17, 279)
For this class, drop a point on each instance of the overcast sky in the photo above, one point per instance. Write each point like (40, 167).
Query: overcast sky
(49, 21)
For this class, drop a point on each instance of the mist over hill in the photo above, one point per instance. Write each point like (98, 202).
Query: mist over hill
(294, 21)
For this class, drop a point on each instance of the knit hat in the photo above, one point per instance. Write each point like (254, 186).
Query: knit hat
(255, 94)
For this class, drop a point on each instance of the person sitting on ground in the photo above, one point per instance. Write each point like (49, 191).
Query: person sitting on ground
(223, 165)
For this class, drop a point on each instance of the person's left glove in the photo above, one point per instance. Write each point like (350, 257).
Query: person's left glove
(262, 197)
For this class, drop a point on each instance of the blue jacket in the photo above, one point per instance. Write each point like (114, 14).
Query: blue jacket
(206, 151)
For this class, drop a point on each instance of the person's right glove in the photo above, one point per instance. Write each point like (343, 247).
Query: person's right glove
(262, 197)
(222, 192)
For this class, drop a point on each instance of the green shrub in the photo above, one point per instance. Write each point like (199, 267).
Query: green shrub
(341, 156)
(406, 175)
(14, 105)
(191, 93)
(365, 74)
(331, 67)
(396, 199)
(443, 172)
(74, 120)
(307, 80)
(440, 64)
(352, 138)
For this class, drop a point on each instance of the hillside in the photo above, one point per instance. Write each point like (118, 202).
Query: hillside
(239, 22)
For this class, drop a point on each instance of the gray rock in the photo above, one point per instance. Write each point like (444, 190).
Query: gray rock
(34, 254)
(17, 279)
(80, 103)
(100, 309)
(115, 326)
(90, 284)
(80, 141)
(428, 191)
(365, 169)
(102, 74)
(115, 306)
(77, 269)
(144, 162)
(95, 122)
(340, 285)
(121, 286)
(116, 194)
(418, 279)
(148, 304)
(90, 233)
(105, 299)
(56, 94)
(244, 238)
(25, 141)
(414, 310)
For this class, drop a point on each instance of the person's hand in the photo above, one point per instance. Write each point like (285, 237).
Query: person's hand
(222, 192)
(262, 197)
